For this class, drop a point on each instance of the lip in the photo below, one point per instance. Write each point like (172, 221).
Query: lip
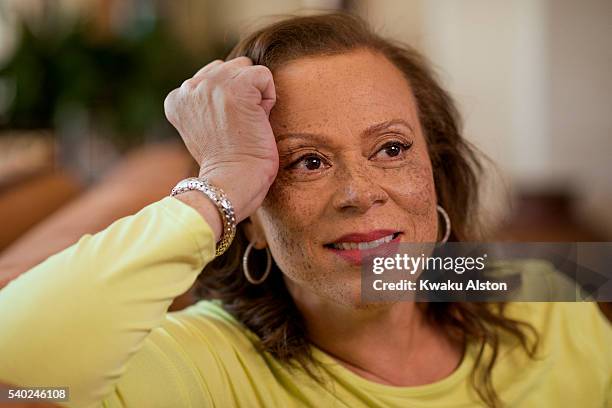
(364, 237)
(358, 256)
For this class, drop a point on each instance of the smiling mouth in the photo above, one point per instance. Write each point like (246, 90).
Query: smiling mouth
(345, 246)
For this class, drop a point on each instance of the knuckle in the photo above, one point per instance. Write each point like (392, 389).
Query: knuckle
(209, 68)
(255, 73)
(206, 82)
(263, 70)
(169, 104)
(189, 84)
(243, 58)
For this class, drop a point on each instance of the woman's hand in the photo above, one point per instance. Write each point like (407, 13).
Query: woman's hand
(222, 115)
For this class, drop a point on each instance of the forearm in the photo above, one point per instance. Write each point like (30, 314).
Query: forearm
(124, 190)
(205, 207)
(76, 319)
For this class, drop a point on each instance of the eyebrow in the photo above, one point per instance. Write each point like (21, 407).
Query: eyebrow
(369, 131)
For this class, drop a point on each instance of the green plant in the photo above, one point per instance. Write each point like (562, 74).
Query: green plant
(120, 81)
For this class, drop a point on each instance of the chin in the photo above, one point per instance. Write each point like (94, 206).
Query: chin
(349, 295)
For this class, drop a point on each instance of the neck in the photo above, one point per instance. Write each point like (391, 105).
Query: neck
(391, 344)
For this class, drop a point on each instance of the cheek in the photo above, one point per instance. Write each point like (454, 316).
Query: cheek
(290, 207)
(292, 214)
(411, 187)
(288, 216)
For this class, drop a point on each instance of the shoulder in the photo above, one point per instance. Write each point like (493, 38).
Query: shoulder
(195, 355)
(576, 332)
(578, 320)
(209, 323)
(188, 360)
(572, 365)
(573, 320)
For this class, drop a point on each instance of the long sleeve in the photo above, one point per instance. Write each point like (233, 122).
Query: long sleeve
(77, 318)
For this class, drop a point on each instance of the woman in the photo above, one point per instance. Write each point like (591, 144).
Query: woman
(321, 135)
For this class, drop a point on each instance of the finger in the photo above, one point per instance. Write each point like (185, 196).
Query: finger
(229, 69)
(238, 62)
(170, 106)
(261, 78)
(193, 82)
(208, 67)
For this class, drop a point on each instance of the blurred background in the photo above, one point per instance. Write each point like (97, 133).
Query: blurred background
(84, 141)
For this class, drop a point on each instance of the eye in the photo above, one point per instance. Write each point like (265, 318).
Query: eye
(308, 162)
(394, 149)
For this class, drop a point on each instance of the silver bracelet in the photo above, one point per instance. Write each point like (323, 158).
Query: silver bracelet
(223, 204)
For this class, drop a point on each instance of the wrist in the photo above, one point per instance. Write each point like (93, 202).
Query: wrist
(222, 204)
(204, 206)
(245, 197)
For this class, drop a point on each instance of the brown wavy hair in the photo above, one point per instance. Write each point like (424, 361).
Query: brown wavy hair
(268, 309)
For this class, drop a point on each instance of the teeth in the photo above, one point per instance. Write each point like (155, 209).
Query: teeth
(363, 245)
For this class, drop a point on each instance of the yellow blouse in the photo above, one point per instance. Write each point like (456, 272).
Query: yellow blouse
(94, 318)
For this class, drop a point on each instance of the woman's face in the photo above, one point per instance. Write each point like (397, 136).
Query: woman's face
(353, 159)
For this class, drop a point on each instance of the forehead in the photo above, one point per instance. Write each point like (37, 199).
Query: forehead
(353, 89)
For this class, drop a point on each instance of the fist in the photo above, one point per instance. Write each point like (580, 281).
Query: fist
(222, 114)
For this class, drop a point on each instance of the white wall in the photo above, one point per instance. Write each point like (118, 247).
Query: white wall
(402, 20)
(492, 58)
(580, 100)
(533, 79)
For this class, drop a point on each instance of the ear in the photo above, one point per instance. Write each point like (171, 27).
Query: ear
(254, 232)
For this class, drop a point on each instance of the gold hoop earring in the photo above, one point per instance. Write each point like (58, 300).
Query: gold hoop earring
(245, 265)
(447, 223)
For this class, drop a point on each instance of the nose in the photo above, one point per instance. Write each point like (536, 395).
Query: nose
(358, 190)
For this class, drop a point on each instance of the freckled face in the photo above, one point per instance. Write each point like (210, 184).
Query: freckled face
(353, 159)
